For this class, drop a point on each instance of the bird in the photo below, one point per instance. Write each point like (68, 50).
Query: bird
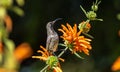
(52, 37)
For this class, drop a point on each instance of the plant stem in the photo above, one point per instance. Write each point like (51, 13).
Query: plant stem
(62, 52)
(44, 68)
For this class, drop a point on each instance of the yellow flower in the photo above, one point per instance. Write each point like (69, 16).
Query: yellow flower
(116, 64)
(74, 40)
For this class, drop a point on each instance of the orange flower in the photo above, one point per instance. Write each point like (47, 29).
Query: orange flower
(116, 64)
(119, 33)
(44, 53)
(8, 22)
(7, 70)
(51, 60)
(57, 69)
(23, 51)
(1, 47)
(73, 38)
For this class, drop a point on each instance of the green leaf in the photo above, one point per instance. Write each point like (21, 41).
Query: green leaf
(88, 35)
(20, 2)
(77, 54)
(99, 19)
(83, 10)
(62, 44)
(18, 10)
(6, 3)
(10, 45)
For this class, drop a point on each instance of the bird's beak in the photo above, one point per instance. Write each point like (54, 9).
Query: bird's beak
(57, 20)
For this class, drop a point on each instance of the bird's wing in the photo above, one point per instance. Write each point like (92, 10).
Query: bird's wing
(53, 44)
(48, 42)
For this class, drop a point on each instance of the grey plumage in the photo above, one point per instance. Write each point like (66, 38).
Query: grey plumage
(52, 37)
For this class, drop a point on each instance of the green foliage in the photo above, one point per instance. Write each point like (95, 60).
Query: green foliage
(6, 3)
(2, 12)
(18, 10)
(20, 2)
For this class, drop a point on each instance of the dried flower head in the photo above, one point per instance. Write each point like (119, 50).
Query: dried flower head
(85, 26)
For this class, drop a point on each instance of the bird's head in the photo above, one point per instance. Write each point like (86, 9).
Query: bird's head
(51, 23)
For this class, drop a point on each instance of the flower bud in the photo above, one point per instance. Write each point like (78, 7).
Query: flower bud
(94, 7)
(91, 15)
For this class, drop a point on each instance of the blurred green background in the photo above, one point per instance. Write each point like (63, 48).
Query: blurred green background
(32, 28)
